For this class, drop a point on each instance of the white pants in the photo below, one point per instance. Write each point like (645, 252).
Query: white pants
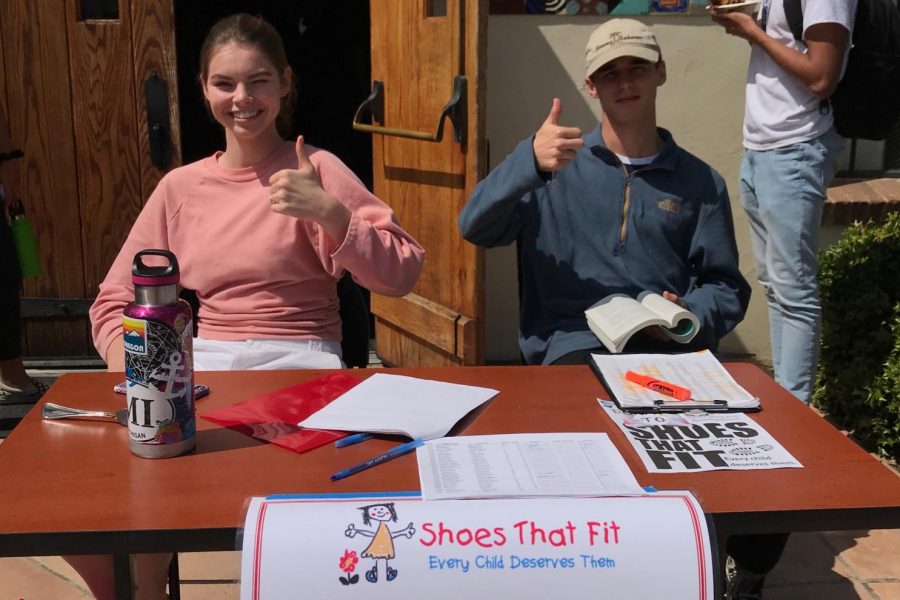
(243, 355)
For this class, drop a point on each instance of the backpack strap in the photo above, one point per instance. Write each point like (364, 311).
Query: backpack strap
(793, 11)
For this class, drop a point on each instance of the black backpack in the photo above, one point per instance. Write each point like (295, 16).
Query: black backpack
(866, 103)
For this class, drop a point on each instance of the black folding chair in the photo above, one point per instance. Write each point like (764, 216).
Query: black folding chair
(354, 312)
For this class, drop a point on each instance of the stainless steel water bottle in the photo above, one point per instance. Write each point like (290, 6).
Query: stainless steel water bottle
(159, 366)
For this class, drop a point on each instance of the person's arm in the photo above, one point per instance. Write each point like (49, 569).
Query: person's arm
(9, 169)
(115, 354)
(5, 138)
(370, 243)
(719, 294)
(819, 68)
(299, 193)
(116, 290)
(490, 218)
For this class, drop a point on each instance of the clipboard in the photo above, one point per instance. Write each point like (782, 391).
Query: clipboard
(664, 406)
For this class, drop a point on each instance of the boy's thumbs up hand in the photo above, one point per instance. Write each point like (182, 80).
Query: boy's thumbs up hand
(554, 145)
(555, 111)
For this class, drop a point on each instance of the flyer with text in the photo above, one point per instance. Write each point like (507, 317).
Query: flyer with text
(686, 442)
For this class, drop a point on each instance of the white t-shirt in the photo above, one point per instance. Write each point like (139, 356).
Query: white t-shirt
(780, 110)
(637, 162)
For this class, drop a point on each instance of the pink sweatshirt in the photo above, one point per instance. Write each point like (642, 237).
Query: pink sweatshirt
(260, 274)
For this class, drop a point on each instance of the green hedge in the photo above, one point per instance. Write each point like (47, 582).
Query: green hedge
(859, 367)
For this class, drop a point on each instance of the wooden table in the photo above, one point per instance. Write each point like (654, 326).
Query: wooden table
(73, 487)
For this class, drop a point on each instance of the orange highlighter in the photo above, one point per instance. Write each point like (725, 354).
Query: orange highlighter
(658, 385)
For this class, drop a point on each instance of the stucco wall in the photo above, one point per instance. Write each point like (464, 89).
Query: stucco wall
(531, 59)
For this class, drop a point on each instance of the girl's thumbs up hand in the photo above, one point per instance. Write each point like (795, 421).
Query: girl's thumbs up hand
(298, 193)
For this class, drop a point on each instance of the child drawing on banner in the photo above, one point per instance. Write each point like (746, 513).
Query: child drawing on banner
(382, 544)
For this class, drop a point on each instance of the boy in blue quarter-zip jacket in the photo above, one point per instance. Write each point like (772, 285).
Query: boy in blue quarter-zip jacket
(622, 209)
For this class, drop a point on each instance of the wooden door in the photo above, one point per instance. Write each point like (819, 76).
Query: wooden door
(418, 49)
(73, 75)
(37, 85)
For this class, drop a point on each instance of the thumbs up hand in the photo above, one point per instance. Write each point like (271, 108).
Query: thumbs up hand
(555, 146)
(298, 193)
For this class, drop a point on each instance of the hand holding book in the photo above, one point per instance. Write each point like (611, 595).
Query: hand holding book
(616, 318)
(657, 332)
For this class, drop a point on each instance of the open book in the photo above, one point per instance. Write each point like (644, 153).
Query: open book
(617, 317)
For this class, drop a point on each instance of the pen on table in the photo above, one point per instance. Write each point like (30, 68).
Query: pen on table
(390, 454)
(353, 439)
(658, 385)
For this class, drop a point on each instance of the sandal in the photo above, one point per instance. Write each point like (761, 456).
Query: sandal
(28, 394)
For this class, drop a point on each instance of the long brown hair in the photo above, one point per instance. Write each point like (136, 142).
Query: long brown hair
(256, 32)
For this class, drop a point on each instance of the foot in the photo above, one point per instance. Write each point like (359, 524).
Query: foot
(391, 574)
(372, 574)
(29, 393)
(741, 584)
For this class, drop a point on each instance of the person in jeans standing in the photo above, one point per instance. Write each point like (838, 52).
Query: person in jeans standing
(790, 154)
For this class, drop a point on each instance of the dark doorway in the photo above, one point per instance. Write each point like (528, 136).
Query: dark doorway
(327, 44)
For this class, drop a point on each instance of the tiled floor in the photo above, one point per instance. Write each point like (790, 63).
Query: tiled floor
(853, 565)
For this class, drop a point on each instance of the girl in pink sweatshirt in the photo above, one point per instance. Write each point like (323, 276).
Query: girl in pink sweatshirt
(262, 232)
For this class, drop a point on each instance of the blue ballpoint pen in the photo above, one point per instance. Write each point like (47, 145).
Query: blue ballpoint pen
(353, 439)
(390, 454)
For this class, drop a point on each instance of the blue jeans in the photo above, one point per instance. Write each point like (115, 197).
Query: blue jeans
(783, 191)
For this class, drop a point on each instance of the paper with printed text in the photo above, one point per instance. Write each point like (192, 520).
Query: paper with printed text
(541, 464)
(686, 442)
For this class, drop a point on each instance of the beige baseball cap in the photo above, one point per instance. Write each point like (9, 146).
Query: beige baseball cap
(617, 38)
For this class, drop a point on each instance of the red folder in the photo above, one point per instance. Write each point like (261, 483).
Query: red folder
(273, 417)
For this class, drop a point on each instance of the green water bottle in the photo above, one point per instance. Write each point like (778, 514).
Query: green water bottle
(26, 241)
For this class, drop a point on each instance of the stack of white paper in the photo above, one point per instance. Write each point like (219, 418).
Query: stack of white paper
(396, 404)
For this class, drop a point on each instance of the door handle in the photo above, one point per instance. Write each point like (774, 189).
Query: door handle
(455, 109)
(156, 98)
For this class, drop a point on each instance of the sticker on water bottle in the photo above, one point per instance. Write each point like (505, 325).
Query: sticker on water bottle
(161, 414)
(135, 332)
(159, 373)
(152, 416)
